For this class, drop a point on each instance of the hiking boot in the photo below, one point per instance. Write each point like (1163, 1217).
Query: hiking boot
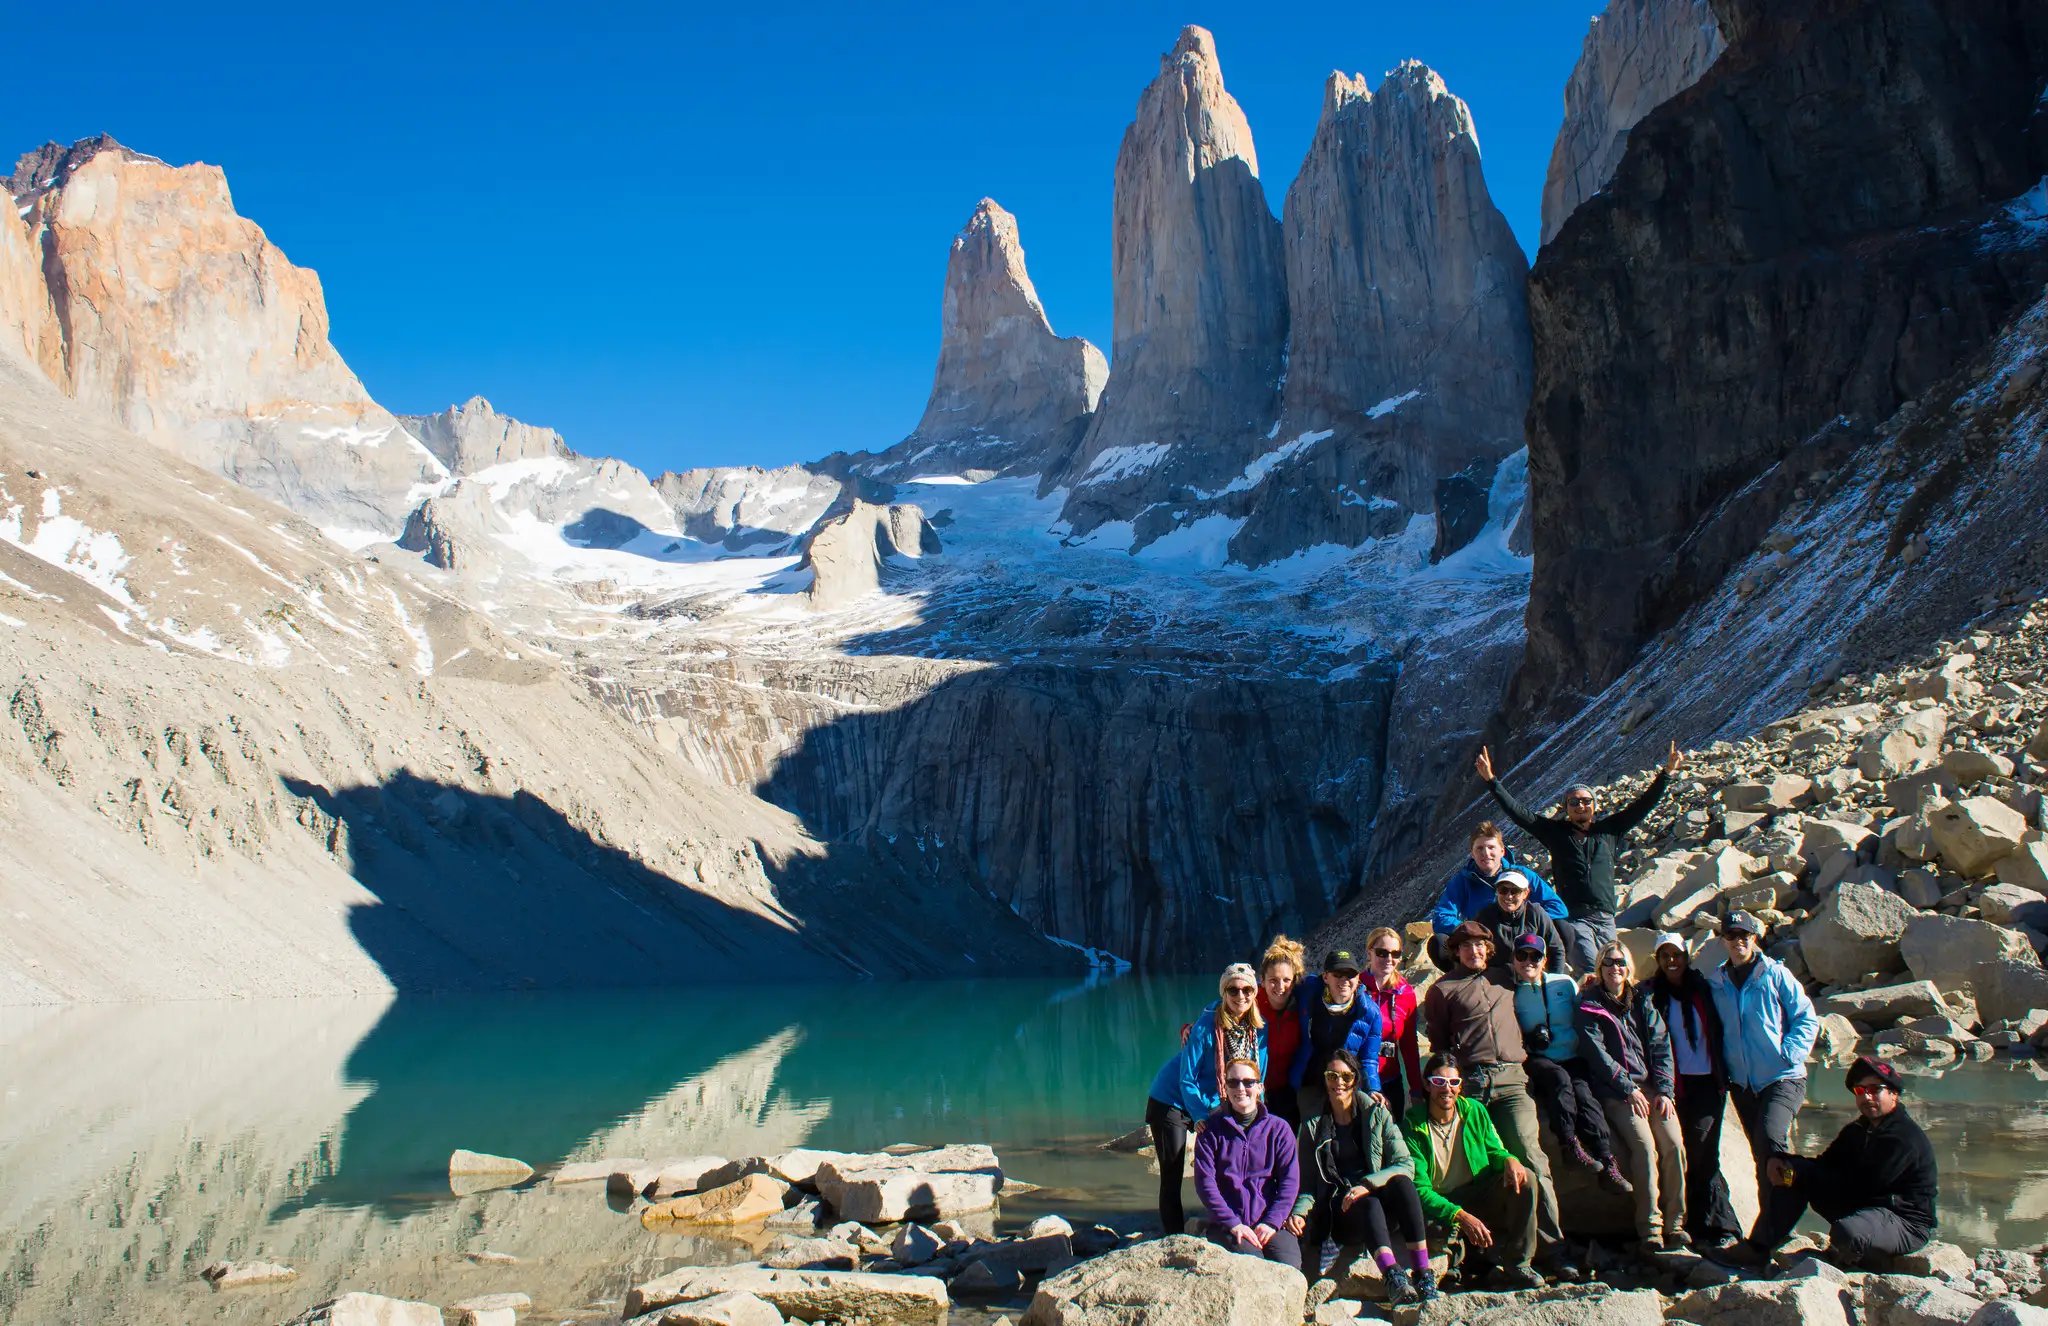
(1613, 1180)
(1575, 1151)
(1520, 1277)
(1677, 1238)
(1399, 1288)
(1425, 1285)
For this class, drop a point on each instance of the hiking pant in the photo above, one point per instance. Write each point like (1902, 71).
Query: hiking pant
(1655, 1151)
(1566, 1098)
(1374, 1220)
(1504, 1090)
(1584, 935)
(1766, 1115)
(1509, 1215)
(1855, 1233)
(1283, 1247)
(1702, 1105)
(1170, 1145)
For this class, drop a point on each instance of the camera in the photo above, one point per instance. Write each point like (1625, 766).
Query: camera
(1539, 1037)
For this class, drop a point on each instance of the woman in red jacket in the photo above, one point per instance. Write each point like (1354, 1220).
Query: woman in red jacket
(1400, 1055)
(1279, 976)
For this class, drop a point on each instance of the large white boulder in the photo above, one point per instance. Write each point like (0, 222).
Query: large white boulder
(745, 1202)
(902, 1300)
(1855, 933)
(1951, 950)
(1176, 1281)
(1972, 836)
(1905, 746)
(368, 1310)
(1807, 1301)
(922, 1185)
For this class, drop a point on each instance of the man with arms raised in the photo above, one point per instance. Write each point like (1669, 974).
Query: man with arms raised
(1584, 846)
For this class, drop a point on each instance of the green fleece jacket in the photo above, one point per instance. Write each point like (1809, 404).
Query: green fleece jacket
(1484, 1153)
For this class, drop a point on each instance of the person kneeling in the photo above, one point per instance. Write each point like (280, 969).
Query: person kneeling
(1468, 1179)
(1357, 1179)
(1247, 1171)
(1874, 1185)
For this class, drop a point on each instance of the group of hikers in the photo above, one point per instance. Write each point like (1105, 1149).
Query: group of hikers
(1314, 1118)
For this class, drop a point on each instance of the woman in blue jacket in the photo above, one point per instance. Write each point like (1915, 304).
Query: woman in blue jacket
(1189, 1086)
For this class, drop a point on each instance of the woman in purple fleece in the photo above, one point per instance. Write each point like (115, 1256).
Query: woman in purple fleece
(1248, 1171)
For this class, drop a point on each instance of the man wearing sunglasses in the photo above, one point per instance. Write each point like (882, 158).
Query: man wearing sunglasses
(1874, 1185)
(1469, 1180)
(1583, 849)
(1248, 1170)
(1768, 1028)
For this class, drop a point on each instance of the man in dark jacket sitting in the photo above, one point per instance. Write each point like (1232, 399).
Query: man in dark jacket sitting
(1512, 915)
(1874, 1185)
(1471, 888)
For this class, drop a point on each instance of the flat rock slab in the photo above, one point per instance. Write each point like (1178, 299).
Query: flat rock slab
(1566, 1305)
(1811, 1301)
(748, 1201)
(726, 1309)
(368, 1310)
(1177, 1281)
(905, 1300)
(923, 1185)
(591, 1171)
(1913, 1300)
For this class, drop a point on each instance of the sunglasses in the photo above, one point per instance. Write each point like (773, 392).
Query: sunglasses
(1730, 936)
(1386, 953)
(1241, 989)
(1450, 1083)
(1869, 1088)
(1340, 1077)
(1578, 801)
(1615, 962)
(1242, 1083)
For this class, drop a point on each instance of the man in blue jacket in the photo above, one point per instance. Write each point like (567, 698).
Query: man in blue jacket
(1768, 1028)
(1470, 890)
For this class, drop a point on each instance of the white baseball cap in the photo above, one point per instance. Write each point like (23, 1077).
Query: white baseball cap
(1674, 938)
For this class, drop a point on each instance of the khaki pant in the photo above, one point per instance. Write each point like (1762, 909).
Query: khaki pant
(1653, 1152)
(1509, 1215)
(1504, 1091)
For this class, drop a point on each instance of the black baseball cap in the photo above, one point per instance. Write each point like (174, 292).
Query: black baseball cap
(1866, 1067)
(1742, 923)
(1340, 959)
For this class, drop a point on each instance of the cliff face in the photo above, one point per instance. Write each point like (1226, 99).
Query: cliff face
(1008, 396)
(473, 436)
(1409, 326)
(1840, 211)
(1638, 54)
(183, 323)
(1200, 300)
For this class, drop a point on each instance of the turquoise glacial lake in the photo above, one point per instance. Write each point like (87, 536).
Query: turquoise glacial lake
(140, 1143)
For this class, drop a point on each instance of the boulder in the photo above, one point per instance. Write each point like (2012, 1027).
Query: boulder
(1781, 793)
(591, 1171)
(1563, 1305)
(914, 1245)
(1973, 835)
(1036, 1254)
(806, 1215)
(1905, 746)
(2009, 987)
(1974, 766)
(727, 1309)
(1950, 950)
(2011, 905)
(1912, 1300)
(751, 1199)
(1723, 872)
(2008, 1312)
(1935, 1257)
(1886, 1004)
(687, 1175)
(925, 1185)
(1049, 1224)
(1174, 1281)
(800, 1165)
(988, 1280)
(471, 1164)
(1856, 931)
(1808, 1301)
(234, 1275)
(1836, 1041)
(1820, 838)
(2026, 868)
(368, 1310)
(902, 1300)
(814, 1254)
(489, 1310)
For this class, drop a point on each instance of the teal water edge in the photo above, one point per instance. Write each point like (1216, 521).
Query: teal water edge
(139, 1143)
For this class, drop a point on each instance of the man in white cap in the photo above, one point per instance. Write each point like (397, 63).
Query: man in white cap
(1686, 1003)
(1768, 1027)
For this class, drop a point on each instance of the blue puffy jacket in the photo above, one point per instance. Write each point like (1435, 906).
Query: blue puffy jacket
(1768, 1024)
(1187, 1081)
(1466, 891)
(1362, 1038)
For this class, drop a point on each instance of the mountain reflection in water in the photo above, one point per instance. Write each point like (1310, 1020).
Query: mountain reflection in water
(137, 1144)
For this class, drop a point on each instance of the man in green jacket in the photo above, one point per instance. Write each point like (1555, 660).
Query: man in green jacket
(1468, 1179)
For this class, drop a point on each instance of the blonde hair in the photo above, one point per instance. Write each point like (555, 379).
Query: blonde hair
(1384, 932)
(1242, 970)
(1289, 951)
(1590, 982)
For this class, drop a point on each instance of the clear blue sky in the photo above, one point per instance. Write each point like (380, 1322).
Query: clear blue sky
(688, 236)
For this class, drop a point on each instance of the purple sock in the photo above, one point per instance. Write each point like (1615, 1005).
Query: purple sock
(1385, 1257)
(1420, 1256)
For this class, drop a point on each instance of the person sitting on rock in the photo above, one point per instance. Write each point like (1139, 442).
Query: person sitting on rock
(1337, 1017)
(1768, 1027)
(1874, 1185)
(1510, 917)
(1247, 1170)
(1583, 848)
(1547, 1007)
(1628, 1055)
(1357, 1180)
(1471, 888)
(1468, 1179)
(1189, 1086)
(1686, 1003)
(1470, 1015)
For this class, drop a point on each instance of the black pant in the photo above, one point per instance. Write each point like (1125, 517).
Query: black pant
(1283, 1247)
(1702, 1104)
(1170, 1144)
(1855, 1232)
(1766, 1115)
(1375, 1217)
(1285, 1102)
(1565, 1095)
(1392, 1088)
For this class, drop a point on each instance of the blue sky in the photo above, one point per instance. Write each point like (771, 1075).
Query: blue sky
(691, 236)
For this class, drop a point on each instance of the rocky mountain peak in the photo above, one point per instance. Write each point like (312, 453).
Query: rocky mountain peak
(49, 166)
(1341, 88)
(1200, 299)
(473, 436)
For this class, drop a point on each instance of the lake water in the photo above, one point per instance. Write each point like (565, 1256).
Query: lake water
(137, 1144)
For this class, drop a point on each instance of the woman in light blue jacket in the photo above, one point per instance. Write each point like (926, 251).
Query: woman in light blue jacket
(1189, 1086)
(1768, 1028)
